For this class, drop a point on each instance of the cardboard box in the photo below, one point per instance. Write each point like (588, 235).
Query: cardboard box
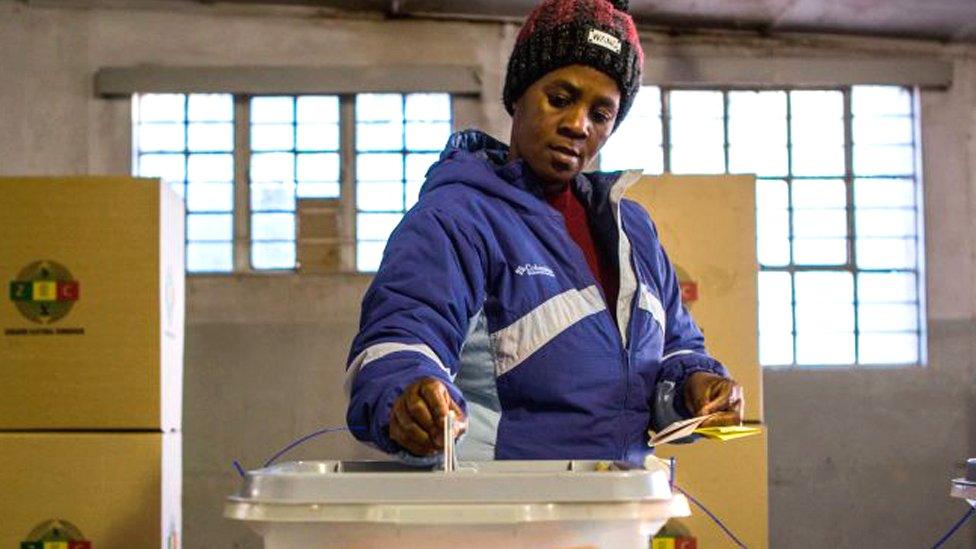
(110, 489)
(91, 314)
(708, 227)
(320, 236)
(729, 478)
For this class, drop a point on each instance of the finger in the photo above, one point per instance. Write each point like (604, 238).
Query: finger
(437, 399)
(719, 400)
(414, 438)
(420, 413)
(722, 419)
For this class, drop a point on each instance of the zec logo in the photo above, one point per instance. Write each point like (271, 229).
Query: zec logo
(55, 534)
(44, 292)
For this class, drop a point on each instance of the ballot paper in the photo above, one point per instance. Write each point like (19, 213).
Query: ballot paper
(730, 432)
(678, 429)
(682, 429)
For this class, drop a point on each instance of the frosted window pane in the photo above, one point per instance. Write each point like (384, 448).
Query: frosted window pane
(210, 197)
(825, 317)
(824, 348)
(209, 257)
(819, 223)
(894, 348)
(272, 137)
(209, 227)
(636, 144)
(272, 196)
(429, 107)
(886, 253)
(161, 137)
(890, 317)
(889, 130)
(266, 110)
(818, 160)
(272, 167)
(824, 287)
(379, 167)
(379, 136)
(819, 193)
(698, 104)
(211, 107)
(773, 229)
(418, 164)
(886, 287)
(213, 168)
(318, 167)
(817, 132)
(376, 226)
(210, 137)
(369, 255)
(273, 255)
(380, 196)
(821, 251)
(884, 193)
(273, 226)
(888, 222)
(817, 104)
(775, 348)
(698, 160)
(379, 107)
(162, 107)
(318, 137)
(757, 133)
(771, 194)
(884, 160)
(775, 302)
(318, 109)
(413, 192)
(692, 131)
(624, 151)
(170, 167)
(427, 136)
(318, 190)
(881, 100)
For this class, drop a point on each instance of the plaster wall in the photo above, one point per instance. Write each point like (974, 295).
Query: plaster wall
(856, 457)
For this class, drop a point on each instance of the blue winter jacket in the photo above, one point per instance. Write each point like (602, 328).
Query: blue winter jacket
(482, 287)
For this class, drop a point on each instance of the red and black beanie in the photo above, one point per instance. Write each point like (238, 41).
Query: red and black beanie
(558, 33)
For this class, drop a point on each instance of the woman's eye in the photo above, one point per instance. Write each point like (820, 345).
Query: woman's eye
(558, 100)
(601, 116)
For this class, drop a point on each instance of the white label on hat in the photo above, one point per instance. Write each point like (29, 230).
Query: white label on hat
(604, 40)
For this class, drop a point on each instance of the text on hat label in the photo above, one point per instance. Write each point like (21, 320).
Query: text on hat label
(604, 40)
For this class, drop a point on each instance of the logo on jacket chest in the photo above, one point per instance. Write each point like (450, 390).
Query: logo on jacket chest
(534, 269)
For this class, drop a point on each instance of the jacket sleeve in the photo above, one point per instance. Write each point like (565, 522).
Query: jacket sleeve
(684, 346)
(414, 320)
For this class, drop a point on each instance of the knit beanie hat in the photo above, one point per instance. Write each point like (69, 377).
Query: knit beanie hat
(558, 33)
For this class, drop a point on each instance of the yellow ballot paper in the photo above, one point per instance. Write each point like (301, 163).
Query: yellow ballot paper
(682, 429)
(730, 432)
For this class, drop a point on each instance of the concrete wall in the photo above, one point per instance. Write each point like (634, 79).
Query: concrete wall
(856, 457)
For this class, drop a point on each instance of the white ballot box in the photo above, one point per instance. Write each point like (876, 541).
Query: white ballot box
(516, 504)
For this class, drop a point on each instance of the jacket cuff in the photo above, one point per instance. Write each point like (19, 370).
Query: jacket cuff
(677, 369)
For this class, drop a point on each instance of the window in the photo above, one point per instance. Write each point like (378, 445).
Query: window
(293, 151)
(188, 141)
(398, 137)
(837, 208)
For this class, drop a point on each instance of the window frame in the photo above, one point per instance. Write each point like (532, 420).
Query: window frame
(849, 177)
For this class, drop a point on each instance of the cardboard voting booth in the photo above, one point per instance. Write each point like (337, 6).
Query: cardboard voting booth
(708, 228)
(91, 362)
(91, 317)
(110, 489)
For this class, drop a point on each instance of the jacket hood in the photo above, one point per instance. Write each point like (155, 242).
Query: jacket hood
(478, 160)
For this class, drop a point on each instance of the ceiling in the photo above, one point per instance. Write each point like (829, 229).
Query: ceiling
(943, 20)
